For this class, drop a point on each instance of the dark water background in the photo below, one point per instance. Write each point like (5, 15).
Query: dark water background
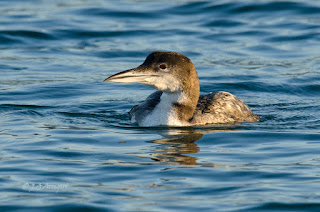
(66, 139)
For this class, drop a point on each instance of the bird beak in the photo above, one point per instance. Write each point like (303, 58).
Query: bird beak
(133, 75)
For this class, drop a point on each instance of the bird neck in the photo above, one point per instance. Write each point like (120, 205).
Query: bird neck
(190, 91)
(183, 103)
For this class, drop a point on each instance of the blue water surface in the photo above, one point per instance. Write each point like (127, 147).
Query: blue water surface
(66, 139)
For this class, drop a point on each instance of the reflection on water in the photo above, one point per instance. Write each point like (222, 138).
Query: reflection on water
(172, 150)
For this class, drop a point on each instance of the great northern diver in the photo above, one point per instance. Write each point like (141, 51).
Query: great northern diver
(177, 101)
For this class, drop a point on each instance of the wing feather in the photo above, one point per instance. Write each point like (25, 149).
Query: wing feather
(222, 107)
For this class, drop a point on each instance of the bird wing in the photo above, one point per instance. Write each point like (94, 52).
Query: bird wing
(222, 107)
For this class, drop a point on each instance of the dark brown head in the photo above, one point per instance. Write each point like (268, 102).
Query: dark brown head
(169, 72)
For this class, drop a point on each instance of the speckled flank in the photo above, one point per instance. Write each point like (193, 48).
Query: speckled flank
(222, 107)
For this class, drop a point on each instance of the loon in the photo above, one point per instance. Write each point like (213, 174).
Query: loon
(178, 101)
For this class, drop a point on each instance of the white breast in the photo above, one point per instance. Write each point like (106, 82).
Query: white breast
(163, 113)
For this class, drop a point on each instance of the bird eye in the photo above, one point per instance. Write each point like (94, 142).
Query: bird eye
(162, 66)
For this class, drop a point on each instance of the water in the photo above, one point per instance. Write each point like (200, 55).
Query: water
(66, 139)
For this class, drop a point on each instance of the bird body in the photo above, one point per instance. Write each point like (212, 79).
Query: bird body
(177, 101)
